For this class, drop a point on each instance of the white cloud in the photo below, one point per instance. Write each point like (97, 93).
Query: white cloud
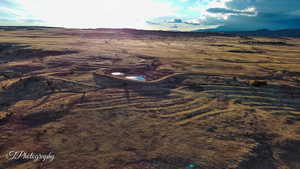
(200, 22)
(219, 12)
(15, 12)
(218, 4)
(214, 13)
(97, 13)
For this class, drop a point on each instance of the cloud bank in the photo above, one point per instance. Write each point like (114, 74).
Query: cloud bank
(182, 15)
(236, 15)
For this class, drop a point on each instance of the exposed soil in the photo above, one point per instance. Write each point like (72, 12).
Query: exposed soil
(208, 102)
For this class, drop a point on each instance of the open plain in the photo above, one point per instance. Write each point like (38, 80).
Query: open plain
(209, 100)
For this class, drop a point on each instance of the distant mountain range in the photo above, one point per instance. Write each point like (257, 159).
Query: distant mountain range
(260, 32)
(217, 31)
(13, 28)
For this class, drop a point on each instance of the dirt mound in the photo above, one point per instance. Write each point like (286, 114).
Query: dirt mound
(16, 52)
(19, 70)
(33, 88)
(29, 88)
(109, 81)
(8, 74)
(150, 69)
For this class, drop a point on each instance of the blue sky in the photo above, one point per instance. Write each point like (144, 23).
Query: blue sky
(184, 15)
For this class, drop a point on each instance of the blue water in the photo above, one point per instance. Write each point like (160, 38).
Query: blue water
(138, 78)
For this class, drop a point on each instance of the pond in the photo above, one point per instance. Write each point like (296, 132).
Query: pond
(138, 78)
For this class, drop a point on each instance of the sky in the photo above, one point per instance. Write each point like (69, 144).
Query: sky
(175, 15)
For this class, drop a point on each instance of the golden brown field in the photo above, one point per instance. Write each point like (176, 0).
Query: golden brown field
(210, 101)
